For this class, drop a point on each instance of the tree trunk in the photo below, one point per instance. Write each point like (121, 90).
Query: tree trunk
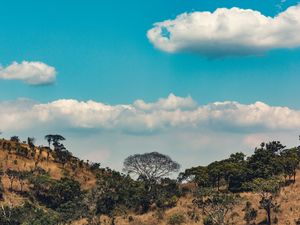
(113, 221)
(11, 184)
(269, 216)
(21, 185)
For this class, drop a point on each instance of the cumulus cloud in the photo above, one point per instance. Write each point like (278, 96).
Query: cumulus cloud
(189, 132)
(172, 113)
(33, 73)
(225, 32)
(171, 103)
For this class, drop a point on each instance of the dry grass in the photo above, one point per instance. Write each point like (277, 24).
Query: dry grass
(289, 200)
(289, 197)
(11, 160)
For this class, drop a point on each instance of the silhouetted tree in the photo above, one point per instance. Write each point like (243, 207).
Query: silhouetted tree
(30, 141)
(152, 166)
(49, 138)
(15, 139)
(55, 139)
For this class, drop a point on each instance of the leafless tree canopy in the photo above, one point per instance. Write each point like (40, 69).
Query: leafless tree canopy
(152, 166)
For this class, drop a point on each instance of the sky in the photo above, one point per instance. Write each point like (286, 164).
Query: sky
(196, 80)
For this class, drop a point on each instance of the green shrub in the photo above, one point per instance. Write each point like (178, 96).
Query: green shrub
(176, 219)
(208, 221)
(27, 214)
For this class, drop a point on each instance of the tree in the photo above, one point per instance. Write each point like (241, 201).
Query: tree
(235, 172)
(250, 213)
(267, 189)
(30, 141)
(290, 161)
(215, 205)
(266, 162)
(12, 176)
(15, 139)
(23, 176)
(152, 166)
(63, 156)
(199, 175)
(1, 185)
(55, 139)
(27, 213)
(95, 166)
(216, 173)
(49, 138)
(63, 196)
(114, 191)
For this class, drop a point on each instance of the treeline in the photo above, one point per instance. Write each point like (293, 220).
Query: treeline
(269, 160)
(271, 167)
(145, 186)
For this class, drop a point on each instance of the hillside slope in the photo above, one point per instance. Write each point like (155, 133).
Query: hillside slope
(288, 199)
(21, 157)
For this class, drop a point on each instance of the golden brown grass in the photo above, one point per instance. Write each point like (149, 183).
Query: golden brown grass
(289, 197)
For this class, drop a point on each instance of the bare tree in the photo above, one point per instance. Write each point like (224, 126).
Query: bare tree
(216, 205)
(151, 166)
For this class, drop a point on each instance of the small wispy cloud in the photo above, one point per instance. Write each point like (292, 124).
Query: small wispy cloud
(32, 73)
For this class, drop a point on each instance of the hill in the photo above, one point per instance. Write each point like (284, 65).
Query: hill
(288, 214)
(43, 186)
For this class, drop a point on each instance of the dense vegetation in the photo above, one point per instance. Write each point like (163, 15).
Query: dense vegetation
(216, 187)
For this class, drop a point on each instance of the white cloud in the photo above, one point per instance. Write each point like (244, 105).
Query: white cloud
(171, 103)
(225, 31)
(191, 133)
(33, 73)
(171, 113)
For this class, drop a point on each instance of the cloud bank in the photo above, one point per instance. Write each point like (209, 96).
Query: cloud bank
(32, 73)
(171, 113)
(191, 133)
(226, 32)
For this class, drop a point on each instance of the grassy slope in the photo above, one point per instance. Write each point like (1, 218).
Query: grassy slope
(56, 170)
(289, 200)
(289, 197)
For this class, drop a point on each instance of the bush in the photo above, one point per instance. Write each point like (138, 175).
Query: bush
(207, 221)
(176, 219)
(27, 214)
(250, 213)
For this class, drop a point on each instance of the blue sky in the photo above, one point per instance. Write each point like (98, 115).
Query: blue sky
(101, 52)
